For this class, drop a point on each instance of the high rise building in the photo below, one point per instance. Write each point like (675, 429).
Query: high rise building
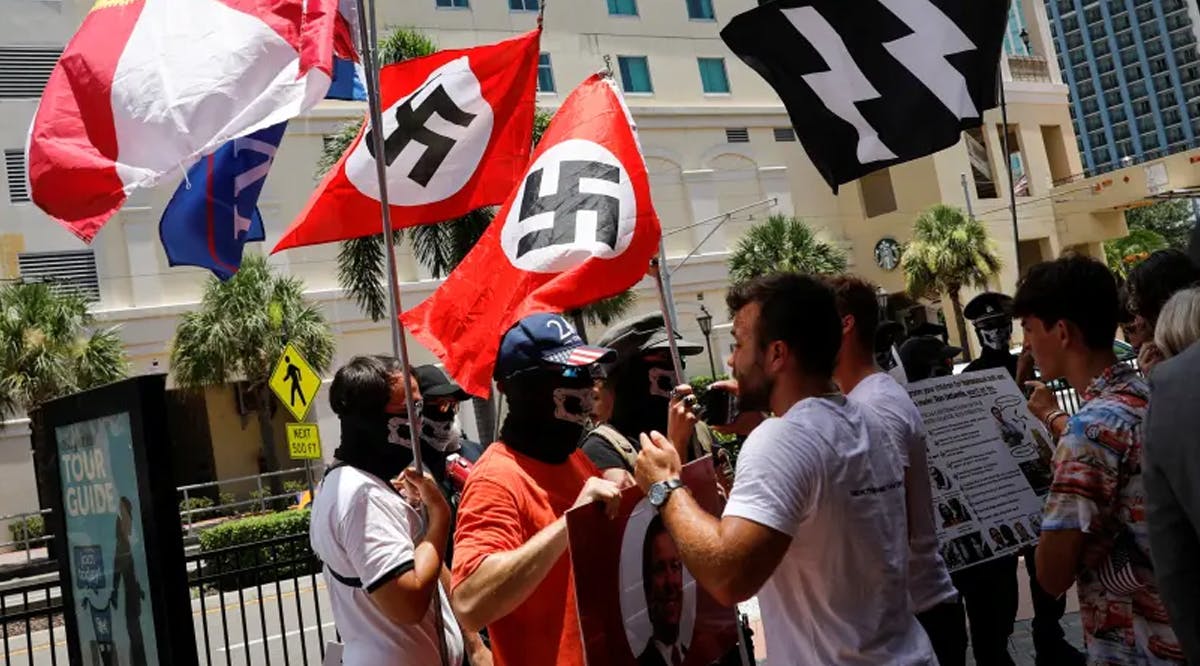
(1134, 74)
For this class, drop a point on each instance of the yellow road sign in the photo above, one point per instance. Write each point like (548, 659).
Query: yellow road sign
(304, 441)
(295, 382)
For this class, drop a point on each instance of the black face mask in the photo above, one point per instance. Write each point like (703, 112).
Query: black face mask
(439, 430)
(380, 445)
(547, 413)
(642, 396)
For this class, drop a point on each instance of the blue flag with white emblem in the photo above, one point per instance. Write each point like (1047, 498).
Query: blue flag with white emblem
(214, 213)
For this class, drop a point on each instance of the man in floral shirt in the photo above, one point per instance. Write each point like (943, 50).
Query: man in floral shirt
(1094, 524)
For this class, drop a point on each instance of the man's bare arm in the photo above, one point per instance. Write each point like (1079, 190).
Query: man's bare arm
(732, 557)
(504, 580)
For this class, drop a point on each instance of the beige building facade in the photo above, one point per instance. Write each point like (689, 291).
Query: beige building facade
(716, 139)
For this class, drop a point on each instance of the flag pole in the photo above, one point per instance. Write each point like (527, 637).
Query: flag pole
(367, 33)
(659, 265)
(1012, 189)
(399, 345)
(662, 276)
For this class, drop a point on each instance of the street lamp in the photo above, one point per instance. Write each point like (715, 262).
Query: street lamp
(705, 321)
(881, 298)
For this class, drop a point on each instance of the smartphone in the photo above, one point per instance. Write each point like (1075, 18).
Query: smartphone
(719, 407)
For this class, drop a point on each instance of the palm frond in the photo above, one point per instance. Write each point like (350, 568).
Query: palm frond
(606, 311)
(360, 264)
(49, 346)
(233, 334)
(948, 251)
(783, 243)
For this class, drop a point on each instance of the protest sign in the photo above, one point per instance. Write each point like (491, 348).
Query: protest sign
(989, 465)
(638, 604)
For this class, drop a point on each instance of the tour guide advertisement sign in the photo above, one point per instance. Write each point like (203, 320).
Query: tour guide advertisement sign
(124, 590)
(107, 551)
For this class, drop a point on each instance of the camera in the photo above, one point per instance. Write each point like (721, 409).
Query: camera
(718, 407)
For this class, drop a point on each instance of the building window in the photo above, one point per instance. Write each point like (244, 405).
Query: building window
(545, 74)
(737, 135)
(785, 134)
(877, 193)
(713, 78)
(635, 74)
(622, 8)
(981, 163)
(25, 70)
(73, 270)
(14, 168)
(453, 4)
(700, 10)
(523, 5)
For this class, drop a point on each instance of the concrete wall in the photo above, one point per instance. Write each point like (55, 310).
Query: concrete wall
(18, 481)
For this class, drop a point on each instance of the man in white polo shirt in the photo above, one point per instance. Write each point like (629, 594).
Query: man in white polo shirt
(383, 563)
(815, 524)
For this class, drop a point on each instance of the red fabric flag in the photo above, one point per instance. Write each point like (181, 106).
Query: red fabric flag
(579, 227)
(458, 132)
(145, 87)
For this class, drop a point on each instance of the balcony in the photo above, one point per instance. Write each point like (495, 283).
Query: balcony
(1029, 68)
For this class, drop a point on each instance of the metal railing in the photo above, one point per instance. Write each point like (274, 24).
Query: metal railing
(1029, 68)
(1128, 161)
(260, 603)
(258, 497)
(25, 541)
(31, 628)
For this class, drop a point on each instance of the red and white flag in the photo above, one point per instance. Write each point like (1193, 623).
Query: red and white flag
(146, 87)
(579, 227)
(458, 130)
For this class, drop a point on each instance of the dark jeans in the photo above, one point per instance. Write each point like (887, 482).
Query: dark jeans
(946, 624)
(1047, 611)
(989, 591)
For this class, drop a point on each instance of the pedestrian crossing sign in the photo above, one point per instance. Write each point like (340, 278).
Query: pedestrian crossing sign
(295, 382)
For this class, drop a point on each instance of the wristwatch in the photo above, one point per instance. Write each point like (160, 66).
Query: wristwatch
(659, 492)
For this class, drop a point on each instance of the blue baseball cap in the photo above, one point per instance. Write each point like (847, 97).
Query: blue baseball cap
(545, 339)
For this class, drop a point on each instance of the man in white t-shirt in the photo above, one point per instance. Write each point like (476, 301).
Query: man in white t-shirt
(383, 564)
(815, 524)
(934, 597)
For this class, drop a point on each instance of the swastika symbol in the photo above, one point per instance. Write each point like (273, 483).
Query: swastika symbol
(567, 202)
(411, 126)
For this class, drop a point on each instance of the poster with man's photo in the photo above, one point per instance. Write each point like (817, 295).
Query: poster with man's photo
(638, 604)
(990, 465)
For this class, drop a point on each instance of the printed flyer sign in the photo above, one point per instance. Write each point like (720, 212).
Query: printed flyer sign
(107, 553)
(637, 603)
(990, 465)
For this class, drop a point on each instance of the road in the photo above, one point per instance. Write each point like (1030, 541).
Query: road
(284, 623)
(281, 625)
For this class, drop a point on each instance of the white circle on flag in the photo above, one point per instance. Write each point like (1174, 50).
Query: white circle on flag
(575, 203)
(447, 124)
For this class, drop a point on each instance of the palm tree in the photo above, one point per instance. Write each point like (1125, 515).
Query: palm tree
(783, 243)
(1123, 254)
(239, 332)
(438, 247)
(949, 251)
(50, 346)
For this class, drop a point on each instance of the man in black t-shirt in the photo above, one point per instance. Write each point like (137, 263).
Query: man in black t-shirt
(638, 385)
